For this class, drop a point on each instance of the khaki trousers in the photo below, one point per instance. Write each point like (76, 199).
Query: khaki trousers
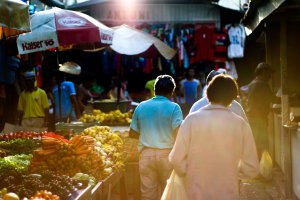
(155, 169)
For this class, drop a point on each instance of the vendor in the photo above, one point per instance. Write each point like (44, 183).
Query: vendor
(33, 104)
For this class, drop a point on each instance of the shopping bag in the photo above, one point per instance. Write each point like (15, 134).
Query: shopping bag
(174, 189)
(266, 165)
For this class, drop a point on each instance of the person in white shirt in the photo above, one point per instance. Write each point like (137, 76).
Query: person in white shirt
(215, 147)
(234, 107)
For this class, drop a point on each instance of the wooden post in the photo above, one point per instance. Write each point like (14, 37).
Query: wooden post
(271, 116)
(285, 110)
(284, 79)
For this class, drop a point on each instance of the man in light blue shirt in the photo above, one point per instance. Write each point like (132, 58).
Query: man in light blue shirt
(68, 99)
(235, 107)
(156, 122)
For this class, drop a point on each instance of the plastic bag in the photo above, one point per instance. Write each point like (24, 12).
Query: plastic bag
(174, 189)
(266, 165)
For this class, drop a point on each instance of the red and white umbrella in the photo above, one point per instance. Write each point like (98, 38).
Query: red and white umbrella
(59, 27)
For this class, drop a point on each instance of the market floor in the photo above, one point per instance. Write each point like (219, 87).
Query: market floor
(252, 189)
(263, 190)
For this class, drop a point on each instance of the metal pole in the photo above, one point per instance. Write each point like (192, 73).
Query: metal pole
(59, 89)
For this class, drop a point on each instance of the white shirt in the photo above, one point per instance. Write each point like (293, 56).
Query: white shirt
(234, 107)
(213, 149)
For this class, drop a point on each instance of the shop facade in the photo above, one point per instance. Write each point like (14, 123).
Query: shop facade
(279, 31)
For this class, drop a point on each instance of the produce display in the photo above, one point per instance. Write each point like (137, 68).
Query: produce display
(113, 117)
(12, 165)
(18, 146)
(108, 145)
(67, 157)
(86, 178)
(45, 165)
(25, 185)
(11, 196)
(21, 134)
(44, 195)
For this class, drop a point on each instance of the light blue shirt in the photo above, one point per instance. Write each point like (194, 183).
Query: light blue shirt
(190, 90)
(235, 107)
(67, 89)
(155, 120)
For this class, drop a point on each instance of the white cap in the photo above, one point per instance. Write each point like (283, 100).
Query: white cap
(70, 68)
(29, 75)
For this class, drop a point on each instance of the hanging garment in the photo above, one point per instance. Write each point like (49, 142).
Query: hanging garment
(220, 46)
(203, 42)
(237, 37)
(231, 69)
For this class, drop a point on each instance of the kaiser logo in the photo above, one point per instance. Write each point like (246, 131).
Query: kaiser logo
(71, 21)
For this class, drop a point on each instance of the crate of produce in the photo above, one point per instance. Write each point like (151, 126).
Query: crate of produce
(131, 149)
(73, 127)
(109, 105)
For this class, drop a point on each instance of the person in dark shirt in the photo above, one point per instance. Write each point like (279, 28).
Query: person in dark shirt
(260, 96)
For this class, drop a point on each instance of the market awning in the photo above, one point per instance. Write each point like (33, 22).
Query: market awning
(258, 11)
(232, 4)
(130, 41)
(14, 18)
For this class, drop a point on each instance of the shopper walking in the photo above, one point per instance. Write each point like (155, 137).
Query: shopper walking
(234, 106)
(156, 122)
(215, 147)
(33, 104)
(190, 87)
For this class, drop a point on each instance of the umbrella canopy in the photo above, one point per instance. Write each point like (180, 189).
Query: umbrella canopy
(130, 41)
(14, 17)
(59, 27)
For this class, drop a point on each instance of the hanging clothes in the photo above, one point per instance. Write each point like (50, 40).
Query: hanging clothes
(204, 42)
(237, 36)
(231, 69)
(220, 46)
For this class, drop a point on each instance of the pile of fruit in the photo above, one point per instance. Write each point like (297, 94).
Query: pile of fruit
(21, 134)
(44, 195)
(27, 185)
(108, 145)
(68, 157)
(113, 117)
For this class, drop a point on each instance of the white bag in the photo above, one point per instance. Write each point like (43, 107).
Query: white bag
(174, 189)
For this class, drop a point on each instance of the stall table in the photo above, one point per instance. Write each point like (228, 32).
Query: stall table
(103, 189)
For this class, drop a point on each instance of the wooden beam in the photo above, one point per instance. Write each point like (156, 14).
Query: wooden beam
(284, 78)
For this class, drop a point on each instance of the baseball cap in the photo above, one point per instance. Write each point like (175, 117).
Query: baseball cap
(29, 75)
(263, 67)
(211, 74)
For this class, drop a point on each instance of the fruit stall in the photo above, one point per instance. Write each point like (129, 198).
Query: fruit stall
(47, 165)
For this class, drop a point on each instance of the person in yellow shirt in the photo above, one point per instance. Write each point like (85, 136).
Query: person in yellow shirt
(33, 106)
(150, 87)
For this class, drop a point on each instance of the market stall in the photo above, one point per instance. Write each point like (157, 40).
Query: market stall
(86, 165)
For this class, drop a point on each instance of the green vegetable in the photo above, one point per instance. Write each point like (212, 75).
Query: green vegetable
(19, 146)
(85, 177)
(15, 164)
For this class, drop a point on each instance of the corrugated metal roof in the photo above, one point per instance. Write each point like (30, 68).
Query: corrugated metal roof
(94, 2)
(258, 11)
